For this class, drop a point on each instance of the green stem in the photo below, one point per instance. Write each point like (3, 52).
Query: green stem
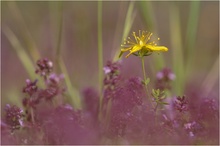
(156, 113)
(59, 40)
(100, 53)
(32, 115)
(100, 60)
(145, 78)
(143, 68)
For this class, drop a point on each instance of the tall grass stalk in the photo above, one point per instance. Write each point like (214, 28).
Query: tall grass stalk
(59, 39)
(73, 93)
(100, 56)
(20, 51)
(191, 34)
(100, 51)
(146, 8)
(211, 79)
(147, 13)
(177, 52)
(127, 26)
(31, 45)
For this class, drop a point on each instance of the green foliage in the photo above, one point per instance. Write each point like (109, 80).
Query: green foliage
(146, 81)
(159, 96)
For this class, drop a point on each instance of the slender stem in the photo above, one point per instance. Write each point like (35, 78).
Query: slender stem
(156, 113)
(100, 53)
(145, 78)
(59, 39)
(32, 115)
(143, 68)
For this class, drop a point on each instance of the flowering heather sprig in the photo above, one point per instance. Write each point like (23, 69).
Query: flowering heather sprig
(164, 77)
(53, 87)
(112, 71)
(125, 99)
(45, 67)
(31, 87)
(14, 117)
(159, 97)
(192, 128)
(54, 79)
(112, 77)
(91, 98)
(181, 104)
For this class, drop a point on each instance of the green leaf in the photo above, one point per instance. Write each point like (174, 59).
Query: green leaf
(120, 54)
(163, 97)
(147, 81)
(165, 103)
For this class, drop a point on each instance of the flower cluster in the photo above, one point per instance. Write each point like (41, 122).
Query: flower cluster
(123, 112)
(45, 67)
(181, 104)
(53, 87)
(35, 95)
(112, 77)
(126, 117)
(164, 78)
(31, 87)
(14, 117)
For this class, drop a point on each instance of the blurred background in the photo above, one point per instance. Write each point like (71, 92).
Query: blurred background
(34, 30)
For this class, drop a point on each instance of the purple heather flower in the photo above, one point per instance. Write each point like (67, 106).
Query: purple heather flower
(111, 79)
(53, 87)
(54, 79)
(14, 116)
(191, 134)
(189, 125)
(112, 68)
(163, 78)
(31, 87)
(49, 93)
(64, 126)
(126, 97)
(166, 74)
(91, 99)
(45, 67)
(181, 104)
(107, 69)
(160, 75)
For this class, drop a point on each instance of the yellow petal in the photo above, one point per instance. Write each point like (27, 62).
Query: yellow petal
(157, 48)
(133, 50)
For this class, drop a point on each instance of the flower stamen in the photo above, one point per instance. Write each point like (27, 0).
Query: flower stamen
(141, 45)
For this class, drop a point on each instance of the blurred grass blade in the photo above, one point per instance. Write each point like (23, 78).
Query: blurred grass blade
(32, 47)
(129, 20)
(211, 79)
(22, 55)
(74, 94)
(177, 54)
(148, 15)
(127, 26)
(59, 39)
(191, 34)
(100, 56)
(100, 51)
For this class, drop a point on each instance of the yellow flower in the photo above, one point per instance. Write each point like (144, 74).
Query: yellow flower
(141, 45)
